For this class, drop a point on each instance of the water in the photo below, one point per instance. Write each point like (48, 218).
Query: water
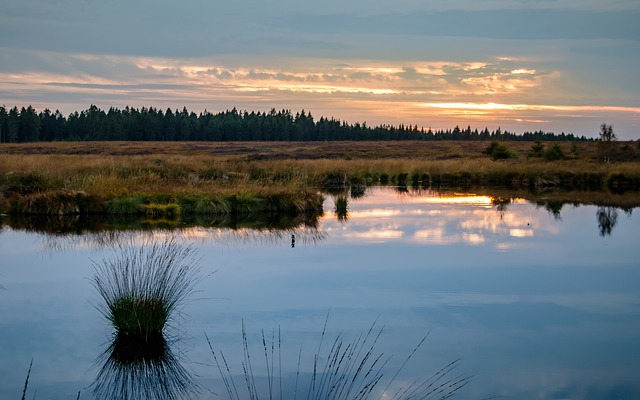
(536, 305)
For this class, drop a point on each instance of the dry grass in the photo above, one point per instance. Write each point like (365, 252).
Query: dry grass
(164, 172)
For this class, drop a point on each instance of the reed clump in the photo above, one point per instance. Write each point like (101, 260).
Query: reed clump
(142, 287)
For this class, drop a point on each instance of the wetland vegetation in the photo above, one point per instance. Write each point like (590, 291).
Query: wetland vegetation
(169, 180)
(142, 289)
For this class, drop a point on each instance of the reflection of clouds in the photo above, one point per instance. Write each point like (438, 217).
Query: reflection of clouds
(375, 213)
(426, 217)
(431, 236)
(375, 234)
(521, 232)
(473, 238)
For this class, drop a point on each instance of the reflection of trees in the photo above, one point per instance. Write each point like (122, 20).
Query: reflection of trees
(607, 220)
(61, 233)
(358, 190)
(554, 208)
(341, 205)
(76, 224)
(501, 204)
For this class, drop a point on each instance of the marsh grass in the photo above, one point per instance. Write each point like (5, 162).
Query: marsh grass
(170, 210)
(212, 205)
(125, 205)
(26, 381)
(142, 287)
(121, 172)
(342, 370)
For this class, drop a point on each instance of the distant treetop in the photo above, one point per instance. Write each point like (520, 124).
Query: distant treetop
(152, 124)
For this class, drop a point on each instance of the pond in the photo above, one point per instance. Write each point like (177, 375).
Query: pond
(520, 300)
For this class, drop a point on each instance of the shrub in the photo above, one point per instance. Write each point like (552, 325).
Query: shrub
(554, 153)
(498, 151)
(537, 149)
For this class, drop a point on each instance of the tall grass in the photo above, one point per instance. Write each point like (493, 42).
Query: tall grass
(112, 182)
(342, 370)
(142, 288)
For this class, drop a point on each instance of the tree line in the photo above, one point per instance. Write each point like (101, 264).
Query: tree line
(152, 124)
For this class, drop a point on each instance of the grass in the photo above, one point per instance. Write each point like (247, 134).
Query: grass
(343, 370)
(142, 287)
(208, 178)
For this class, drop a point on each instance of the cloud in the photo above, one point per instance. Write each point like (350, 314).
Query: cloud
(375, 61)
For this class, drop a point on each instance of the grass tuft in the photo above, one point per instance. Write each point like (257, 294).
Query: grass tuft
(141, 287)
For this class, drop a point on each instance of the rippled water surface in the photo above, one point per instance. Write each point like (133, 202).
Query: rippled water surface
(538, 302)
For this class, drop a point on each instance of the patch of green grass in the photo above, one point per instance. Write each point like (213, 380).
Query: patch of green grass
(212, 205)
(246, 203)
(125, 206)
(155, 210)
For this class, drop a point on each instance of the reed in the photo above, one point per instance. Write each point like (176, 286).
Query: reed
(142, 287)
(343, 370)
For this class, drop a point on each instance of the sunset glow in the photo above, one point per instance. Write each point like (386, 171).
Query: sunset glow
(376, 68)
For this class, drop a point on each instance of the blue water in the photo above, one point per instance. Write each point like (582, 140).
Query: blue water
(536, 306)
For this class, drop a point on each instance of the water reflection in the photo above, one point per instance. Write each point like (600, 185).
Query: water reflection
(341, 207)
(607, 220)
(538, 307)
(137, 368)
(277, 228)
(80, 224)
(66, 233)
(554, 208)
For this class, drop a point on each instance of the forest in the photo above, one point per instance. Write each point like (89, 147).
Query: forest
(26, 124)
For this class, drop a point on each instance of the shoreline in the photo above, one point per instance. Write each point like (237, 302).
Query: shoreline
(185, 178)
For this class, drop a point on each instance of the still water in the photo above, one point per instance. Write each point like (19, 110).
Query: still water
(537, 303)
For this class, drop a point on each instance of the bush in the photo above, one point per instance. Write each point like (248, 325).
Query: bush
(498, 151)
(554, 153)
(537, 149)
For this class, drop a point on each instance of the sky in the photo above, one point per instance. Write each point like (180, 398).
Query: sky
(521, 65)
